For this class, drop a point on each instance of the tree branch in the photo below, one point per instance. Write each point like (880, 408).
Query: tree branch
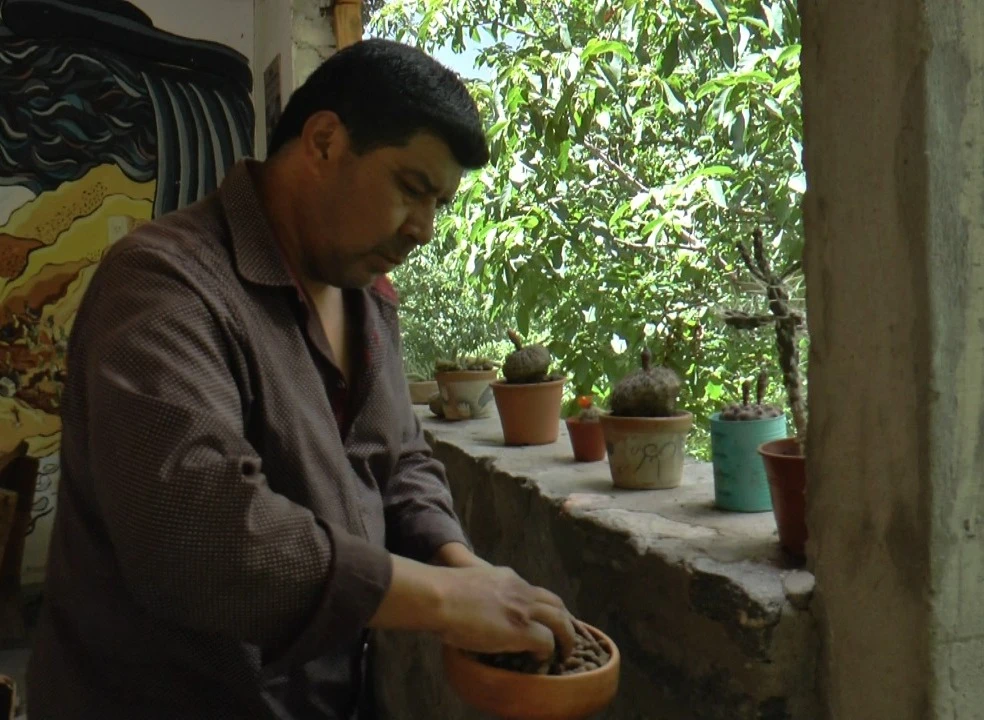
(600, 154)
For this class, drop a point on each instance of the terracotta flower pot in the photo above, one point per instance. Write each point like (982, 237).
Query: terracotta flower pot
(466, 394)
(587, 440)
(785, 467)
(647, 453)
(421, 391)
(520, 696)
(529, 412)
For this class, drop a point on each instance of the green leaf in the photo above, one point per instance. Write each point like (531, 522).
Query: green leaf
(792, 52)
(715, 8)
(671, 57)
(716, 191)
(597, 47)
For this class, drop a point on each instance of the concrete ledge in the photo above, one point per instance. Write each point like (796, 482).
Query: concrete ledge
(710, 621)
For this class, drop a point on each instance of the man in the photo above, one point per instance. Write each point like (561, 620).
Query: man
(245, 488)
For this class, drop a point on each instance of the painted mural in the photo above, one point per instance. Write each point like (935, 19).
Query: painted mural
(105, 122)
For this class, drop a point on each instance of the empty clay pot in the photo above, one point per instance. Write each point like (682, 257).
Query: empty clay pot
(529, 412)
(785, 467)
(465, 394)
(421, 391)
(519, 696)
(647, 453)
(587, 440)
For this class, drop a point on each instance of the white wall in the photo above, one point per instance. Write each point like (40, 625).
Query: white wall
(272, 23)
(229, 22)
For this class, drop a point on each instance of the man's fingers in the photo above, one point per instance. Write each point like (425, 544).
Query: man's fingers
(543, 641)
(548, 598)
(560, 623)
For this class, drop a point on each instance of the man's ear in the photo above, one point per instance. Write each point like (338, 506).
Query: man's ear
(323, 134)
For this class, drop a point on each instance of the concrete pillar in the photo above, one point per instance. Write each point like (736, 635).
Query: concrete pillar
(894, 153)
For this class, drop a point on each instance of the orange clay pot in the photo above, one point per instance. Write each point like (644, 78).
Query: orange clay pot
(520, 696)
(785, 467)
(529, 412)
(587, 440)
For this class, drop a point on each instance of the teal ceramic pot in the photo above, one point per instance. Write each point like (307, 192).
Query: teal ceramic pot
(740, 483)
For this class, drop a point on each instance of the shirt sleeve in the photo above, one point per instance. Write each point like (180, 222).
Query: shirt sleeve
(200, 537)
(420, 515)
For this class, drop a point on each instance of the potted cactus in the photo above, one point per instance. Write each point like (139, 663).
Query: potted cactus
(737, 432)
(421, 383)
(784, 459)
(530, 396)
(463, 386)
(584, 429)
(645, 434)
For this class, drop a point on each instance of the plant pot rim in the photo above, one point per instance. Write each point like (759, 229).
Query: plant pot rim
(679, 415)
(768, 449)
(546, 383)
(453, 375)
(716, 417)
(614, 657)
(579, 421)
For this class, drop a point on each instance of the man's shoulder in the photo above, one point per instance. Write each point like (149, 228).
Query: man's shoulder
(193, 239)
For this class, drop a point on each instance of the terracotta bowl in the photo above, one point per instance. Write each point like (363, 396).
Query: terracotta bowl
(520, 696)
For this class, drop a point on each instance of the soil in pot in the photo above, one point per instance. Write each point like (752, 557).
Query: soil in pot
(785, 467)
(589, 654)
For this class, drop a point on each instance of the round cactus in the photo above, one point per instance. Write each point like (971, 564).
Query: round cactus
(647, 392)
(526, 364)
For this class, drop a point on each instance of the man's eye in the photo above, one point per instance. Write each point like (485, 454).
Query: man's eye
(411, 190)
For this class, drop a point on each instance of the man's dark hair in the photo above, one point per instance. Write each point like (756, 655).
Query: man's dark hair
(386, 92)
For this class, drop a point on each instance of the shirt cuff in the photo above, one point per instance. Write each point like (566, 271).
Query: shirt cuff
(425, 532)
(359, 578)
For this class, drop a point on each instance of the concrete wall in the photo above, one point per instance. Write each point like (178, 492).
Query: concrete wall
(894, 154)
(710, 622)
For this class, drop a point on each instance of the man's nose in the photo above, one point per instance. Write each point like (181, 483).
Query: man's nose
(420, 225)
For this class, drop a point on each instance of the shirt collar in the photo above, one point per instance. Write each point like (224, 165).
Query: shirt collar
(258, 257)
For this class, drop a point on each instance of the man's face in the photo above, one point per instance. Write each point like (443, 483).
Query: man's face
(361, 215)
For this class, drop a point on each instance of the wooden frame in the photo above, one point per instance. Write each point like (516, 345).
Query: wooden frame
(347, 17)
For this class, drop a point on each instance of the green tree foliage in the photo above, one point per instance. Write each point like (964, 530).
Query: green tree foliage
(633, 143)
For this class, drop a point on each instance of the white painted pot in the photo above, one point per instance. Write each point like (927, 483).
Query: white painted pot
(421, 391)
(646, 453)
(466, 394)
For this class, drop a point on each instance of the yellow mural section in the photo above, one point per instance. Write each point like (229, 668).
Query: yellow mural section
(60, 235)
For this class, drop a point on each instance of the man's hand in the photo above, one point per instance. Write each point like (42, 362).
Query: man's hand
(493, 610)
(481, 608)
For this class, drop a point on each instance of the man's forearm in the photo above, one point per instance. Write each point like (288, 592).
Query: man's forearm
(455, 554)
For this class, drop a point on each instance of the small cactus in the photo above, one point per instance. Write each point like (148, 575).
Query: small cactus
(589, 413)
(465, 364)
(648, 392)
(526, 364)
(748, 411)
